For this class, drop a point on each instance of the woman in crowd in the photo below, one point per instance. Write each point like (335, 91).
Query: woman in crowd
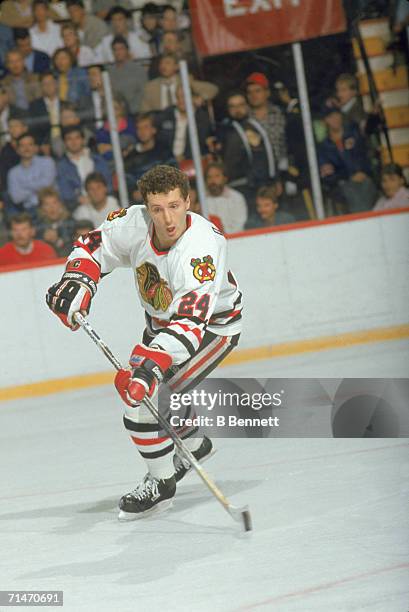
(72, 80)
(394, 190)
(125, 128)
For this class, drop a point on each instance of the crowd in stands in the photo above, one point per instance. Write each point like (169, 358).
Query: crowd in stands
(57, 172)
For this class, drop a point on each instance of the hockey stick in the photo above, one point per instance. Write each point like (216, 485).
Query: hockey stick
(241, 515)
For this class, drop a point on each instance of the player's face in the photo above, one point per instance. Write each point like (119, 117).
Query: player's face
(168, 213)
(22, 234)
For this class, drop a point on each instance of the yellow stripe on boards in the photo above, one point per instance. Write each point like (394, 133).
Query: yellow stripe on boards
(56, 385)
(324, 343)
(60, 385)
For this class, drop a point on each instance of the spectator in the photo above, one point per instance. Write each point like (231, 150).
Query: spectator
(53, 142)
(138, 49)
(91, 29)
(169, 22)
(72, 80)
(92, 106)
(74, 167)
(294, 204)
(8, 154)
(247, 150)
(45, 111)
(23, 87)
(173, 127)
(83, 55)
(23, 249)
(344, 164)
(34, 60)
(171, 43)
(99, 204)
(17, 13)
(268, 115)
(54, 225)
(267, 214)
(196, 207)
(6, 44)
(394, 189)
(346, 87)
(125, 128)
(101, 8)
(347, 96)
(224, 202)
(294, 133)
(127, 76)
(169, 18)
(149, 30)
(82, 227)
(45, 34)
(25, 180)
(148, 151)
(6, 112)
(161, 92)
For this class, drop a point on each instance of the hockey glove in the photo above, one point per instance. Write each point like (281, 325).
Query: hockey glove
(148, 366)
(73, 293)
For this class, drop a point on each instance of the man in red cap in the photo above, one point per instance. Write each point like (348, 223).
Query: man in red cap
(269, 115)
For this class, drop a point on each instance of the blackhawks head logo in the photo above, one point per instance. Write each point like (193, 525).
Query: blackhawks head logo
(153, 288)
(203, 270)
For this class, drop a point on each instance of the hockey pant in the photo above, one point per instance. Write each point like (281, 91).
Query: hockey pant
(153, 444)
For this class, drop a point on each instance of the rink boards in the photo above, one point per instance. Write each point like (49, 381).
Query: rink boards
(306, 286)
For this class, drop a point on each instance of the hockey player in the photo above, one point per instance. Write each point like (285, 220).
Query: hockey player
(192, 308)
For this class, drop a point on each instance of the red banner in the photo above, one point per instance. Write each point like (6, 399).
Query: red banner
(225, 26)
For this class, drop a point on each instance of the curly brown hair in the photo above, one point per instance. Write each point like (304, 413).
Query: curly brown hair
(162, 179)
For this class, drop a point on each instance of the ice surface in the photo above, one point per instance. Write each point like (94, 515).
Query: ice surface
(331, 520)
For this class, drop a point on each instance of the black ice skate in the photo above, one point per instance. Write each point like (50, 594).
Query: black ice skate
(182, 467)
(151, 495)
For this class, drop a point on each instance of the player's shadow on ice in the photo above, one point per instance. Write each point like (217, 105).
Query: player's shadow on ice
(104, 512)
(203, 533)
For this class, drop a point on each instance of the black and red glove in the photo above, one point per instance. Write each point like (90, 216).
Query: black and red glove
(74, 292)
(148, 366)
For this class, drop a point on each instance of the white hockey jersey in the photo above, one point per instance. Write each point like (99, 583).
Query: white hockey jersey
(184, 290)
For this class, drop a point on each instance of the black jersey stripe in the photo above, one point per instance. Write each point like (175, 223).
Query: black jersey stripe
(142, 427)
(225, 313)
(159, 453)
(237, 317)
(182, 339)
